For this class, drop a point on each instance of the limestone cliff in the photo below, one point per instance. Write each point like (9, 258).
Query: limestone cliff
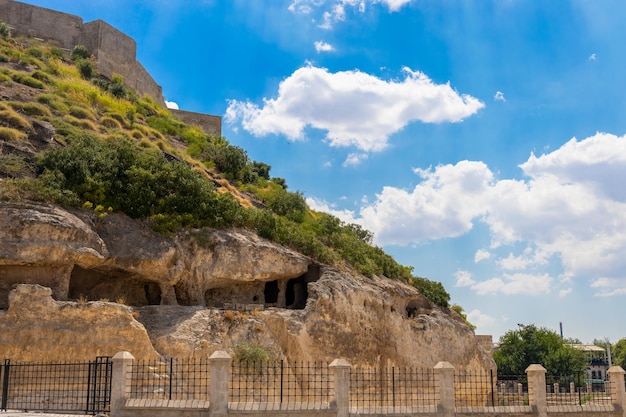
(200, 291)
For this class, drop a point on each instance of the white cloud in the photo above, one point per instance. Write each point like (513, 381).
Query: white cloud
(323, 47)
(335, 11)
(515, 284)
(481, 255)
(356, 109)
(464, 279)
(479, 319)
(443, 205)
(354, 159)
(609, 286)
(499, 96)
(171, 105)
(592, 57)
(570, 209)
(315, 204)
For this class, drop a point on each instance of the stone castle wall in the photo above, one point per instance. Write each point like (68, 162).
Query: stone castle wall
(114, 51)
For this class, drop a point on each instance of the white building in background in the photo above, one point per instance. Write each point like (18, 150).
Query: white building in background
(597, 361)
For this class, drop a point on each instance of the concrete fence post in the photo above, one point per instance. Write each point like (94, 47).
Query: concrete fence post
(537, 389)
(120, 380)
(618, 389)
(219, 372)
(341, 402)
(444, 375)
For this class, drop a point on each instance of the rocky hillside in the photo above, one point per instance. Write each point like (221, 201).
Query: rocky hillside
(122, 228)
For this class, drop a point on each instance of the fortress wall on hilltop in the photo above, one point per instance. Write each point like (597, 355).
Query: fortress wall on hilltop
(210, 124)
(62, 29)
(114, 51)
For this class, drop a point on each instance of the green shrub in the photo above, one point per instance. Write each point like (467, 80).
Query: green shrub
(79, 52)
(56, 52)
(5, 31)
(432, 290)
(35, 52)
(251, 353)
(86, 68)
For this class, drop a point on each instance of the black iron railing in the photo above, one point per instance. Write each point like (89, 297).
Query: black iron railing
(75, 387)
(170, 379)
(392, 387)
(477, 389)
(308, 384)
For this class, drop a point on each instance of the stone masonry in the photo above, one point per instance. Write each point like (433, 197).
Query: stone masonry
(114, 51)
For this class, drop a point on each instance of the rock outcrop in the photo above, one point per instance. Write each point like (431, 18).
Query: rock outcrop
(201, 291)
(37, 328)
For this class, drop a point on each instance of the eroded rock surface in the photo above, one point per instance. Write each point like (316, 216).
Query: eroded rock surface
(202, 291)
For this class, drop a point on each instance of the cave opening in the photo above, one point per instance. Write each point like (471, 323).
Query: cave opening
(113, 285)
(297, 292)
(270, 292)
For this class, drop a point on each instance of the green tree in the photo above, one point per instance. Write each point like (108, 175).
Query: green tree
(532, 345)
(618, 353)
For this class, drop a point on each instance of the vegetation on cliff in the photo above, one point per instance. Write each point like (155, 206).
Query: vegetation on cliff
(72, 137)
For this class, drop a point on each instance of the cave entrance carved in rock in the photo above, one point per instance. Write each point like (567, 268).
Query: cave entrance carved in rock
(113, 285)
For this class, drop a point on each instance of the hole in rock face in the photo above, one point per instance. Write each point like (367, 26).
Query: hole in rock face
(270, 292)
(113, 285)
(297, 292)
(412, 309)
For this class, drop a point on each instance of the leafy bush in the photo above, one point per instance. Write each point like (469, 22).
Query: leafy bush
(432, 290)
(35, 52)
(251, 353)
(288, 204)
(86, 68)
(79, 52)
(5, 31)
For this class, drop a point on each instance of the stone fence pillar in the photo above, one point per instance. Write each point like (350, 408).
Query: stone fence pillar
(219, 370)
(120, 381)
(341, 369)
(618, 389)
(444, 374)
(537, 389)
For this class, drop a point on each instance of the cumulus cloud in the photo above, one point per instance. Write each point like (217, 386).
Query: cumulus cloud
(592, 57)
(464, 279)
(323, 47)
(499, 96)
(481, 255)
(171, 105)
(570, 208)
(354, 108)
(479, 319)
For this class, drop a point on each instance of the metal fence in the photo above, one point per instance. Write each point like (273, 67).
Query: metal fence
(376, 388)
(474, 389)
(170, 379)
(575, 391)
(297, 385)
(72, 387)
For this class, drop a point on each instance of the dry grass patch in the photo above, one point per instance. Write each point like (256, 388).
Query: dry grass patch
(12, 135)
(11, 118)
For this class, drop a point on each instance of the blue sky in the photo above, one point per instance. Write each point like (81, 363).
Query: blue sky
(482, 142)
